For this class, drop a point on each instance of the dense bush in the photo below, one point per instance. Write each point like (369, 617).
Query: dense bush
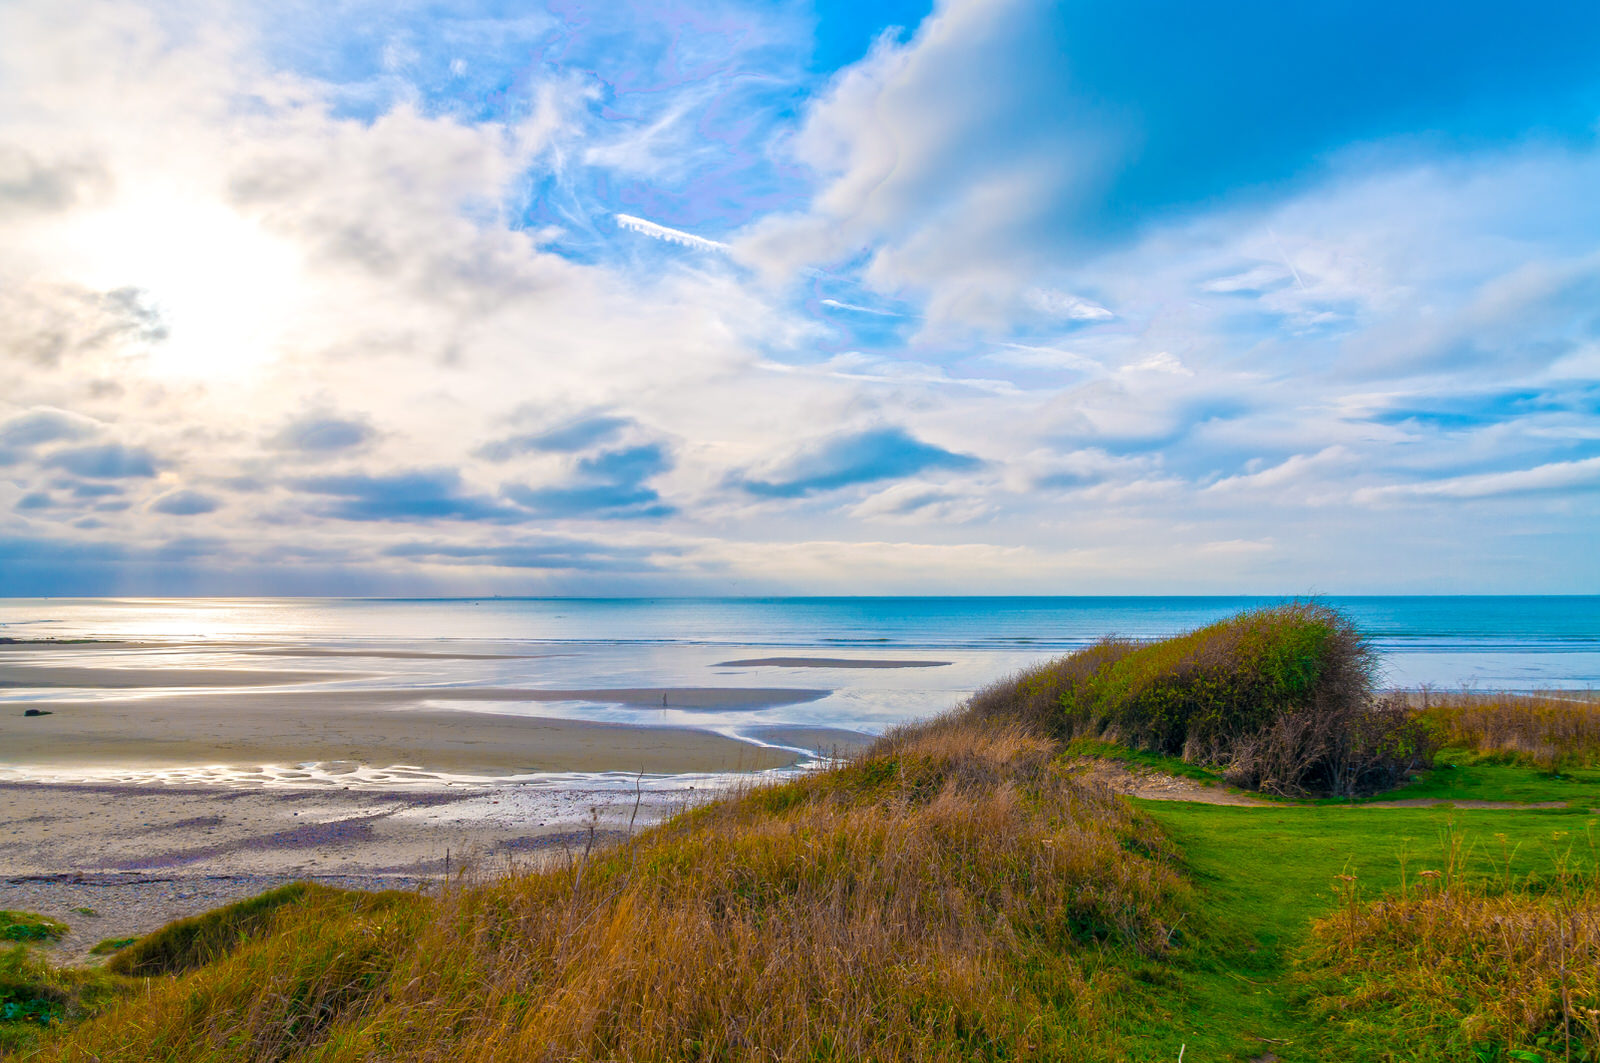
(1279, 699)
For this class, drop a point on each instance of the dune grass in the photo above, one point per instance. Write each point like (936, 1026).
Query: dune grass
(196, 941)
(950, 895)
(1554, 731)
(1461, 965)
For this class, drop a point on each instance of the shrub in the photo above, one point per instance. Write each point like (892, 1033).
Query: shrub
(1278, 699)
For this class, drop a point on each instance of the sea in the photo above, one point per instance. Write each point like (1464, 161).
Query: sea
(956, 644)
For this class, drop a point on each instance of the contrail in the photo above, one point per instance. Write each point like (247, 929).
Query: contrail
(1285, 256)
(671, 236)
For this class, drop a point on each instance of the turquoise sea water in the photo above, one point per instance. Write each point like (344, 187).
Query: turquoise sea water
(438, 653)
(1445, 641)
(1483, 641)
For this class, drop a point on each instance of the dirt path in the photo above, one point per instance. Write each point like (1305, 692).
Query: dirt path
(1153, 785)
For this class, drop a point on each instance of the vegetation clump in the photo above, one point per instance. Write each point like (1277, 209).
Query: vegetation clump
(35, 996)
(107, 946)
(1458, 965)
(1552, 731)
(1278, 699)
(198, 940)
(29, 927)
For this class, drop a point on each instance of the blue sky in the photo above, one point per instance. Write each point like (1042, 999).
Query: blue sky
(683, 298)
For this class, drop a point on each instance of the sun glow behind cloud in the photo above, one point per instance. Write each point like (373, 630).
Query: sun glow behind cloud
(221, 287)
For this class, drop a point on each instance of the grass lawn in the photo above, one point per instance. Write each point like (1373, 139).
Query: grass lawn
(1460, 775)
(1266, 873)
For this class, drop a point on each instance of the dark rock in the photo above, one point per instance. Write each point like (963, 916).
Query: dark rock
(36, 712)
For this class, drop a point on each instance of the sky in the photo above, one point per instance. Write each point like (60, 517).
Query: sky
(381, 297)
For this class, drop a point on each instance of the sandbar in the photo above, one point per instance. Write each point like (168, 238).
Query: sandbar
(827, 662)
(52, 676)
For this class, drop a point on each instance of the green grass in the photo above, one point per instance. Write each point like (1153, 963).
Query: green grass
(1265, 874)
(36, 997)
(29, 927)
(1464, 775)
(110, 945)
(1138, 758)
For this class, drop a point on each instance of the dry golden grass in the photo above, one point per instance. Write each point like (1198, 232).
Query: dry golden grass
(1492, 961)
(949, 896)
(1552, 731)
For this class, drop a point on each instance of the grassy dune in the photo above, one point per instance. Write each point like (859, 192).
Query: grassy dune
(948, 896)
(958, 892)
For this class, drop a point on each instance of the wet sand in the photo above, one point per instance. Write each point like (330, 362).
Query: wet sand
(27, 676)
(140, 856)
(146, 790)
(359, 728)
(88, 829)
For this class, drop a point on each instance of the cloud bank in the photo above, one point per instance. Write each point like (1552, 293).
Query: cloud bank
(995, 297)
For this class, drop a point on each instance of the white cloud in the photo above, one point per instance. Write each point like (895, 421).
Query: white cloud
(1065, 305)
(1554, 476)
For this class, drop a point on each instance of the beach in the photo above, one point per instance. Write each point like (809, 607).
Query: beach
(139, 856)
(170, 809)
(146, 781)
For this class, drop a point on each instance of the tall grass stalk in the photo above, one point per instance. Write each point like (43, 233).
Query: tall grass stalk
(1490, 960)
(1552, 731)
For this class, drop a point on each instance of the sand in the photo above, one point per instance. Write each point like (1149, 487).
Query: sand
(54, 676)
(140, 856)
(362, 728)
(192, 787)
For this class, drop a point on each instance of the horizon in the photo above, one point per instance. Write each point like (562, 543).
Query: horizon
(729, 299)
(750, 597)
